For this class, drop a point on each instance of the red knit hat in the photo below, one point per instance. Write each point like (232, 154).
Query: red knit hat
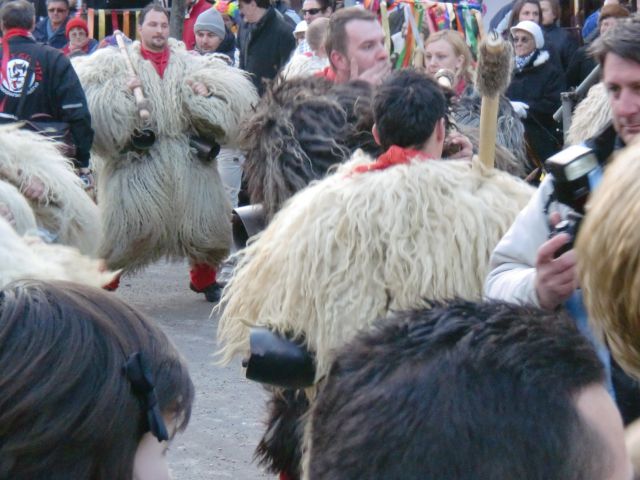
(76, 22)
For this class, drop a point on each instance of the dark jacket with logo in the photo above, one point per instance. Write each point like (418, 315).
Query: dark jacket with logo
(53, 89)
(59, 38)
(265, 47)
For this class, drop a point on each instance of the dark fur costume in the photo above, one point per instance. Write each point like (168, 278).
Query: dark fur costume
(513, 157)
(301, 128)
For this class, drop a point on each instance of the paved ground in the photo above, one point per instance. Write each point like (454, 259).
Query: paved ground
(226, 421)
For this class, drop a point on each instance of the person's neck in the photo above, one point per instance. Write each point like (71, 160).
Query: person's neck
(55, 26)
(432, 147)
(152, 49)
(342, 76)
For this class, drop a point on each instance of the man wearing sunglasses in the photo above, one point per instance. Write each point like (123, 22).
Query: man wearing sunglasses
(51, 30)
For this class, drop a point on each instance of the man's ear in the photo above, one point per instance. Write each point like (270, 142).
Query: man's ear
(339, 61)
(441, 130)
(376, 135)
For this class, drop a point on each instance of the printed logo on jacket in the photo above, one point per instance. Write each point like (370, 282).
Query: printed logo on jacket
(14, 79)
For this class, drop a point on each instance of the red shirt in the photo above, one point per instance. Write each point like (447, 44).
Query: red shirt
(328, 73)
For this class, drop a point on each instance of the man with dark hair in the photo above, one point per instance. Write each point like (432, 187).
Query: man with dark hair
(39, 80)
(355, 47)
(265, 40)
(164, 197)
(51, 30)
(466, 391)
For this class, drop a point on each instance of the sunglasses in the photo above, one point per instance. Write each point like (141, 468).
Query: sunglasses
(56, 10)
(523, 39)
(311, 11)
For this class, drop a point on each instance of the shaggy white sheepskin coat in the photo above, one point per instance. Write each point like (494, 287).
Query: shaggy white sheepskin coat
(354, 247)
(65, 209)
(591, 115)
(163, 202)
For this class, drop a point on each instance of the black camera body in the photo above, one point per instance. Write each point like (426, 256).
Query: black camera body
(576, 172)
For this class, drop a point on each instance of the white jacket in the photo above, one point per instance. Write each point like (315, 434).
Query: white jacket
(512, 271)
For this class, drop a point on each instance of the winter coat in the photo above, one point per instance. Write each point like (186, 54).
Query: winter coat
(55, 91)
(265, 47)
(559, 40)
(539, 84)
(59, 38)
(580, 67)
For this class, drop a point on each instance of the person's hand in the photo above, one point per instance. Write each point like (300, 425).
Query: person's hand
(556, 278)
(462, 146)
(133, 83)
(520, 108)
(198, 88)
(7, 214)
(374, 75)
(34, 189)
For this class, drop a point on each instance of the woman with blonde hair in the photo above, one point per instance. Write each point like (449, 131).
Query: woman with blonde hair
(447, 50)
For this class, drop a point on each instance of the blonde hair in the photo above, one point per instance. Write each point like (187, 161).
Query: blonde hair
(609, 259)
(460, 48)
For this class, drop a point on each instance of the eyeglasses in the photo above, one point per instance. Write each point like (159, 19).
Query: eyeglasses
(56, 10)
(311, 11)
(523, 39)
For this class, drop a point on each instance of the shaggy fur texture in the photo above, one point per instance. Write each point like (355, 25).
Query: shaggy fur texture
(511, 149)
(164, 202)
(609, 259)
(491, 80)
(301, 129)
(30, 258)
(352, 248)
(19, 207)
(279, 449)
(66, 210)
(591, 115)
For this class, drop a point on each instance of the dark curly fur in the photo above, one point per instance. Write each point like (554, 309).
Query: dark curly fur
(301, 128)
(279, 449)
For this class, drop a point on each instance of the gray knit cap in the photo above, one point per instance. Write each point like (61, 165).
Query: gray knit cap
(211, 21)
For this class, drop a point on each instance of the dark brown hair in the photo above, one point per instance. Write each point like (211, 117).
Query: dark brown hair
(67, 410)
(17, 14)
(622, 39)
(152, 7)
(336, 36)
(515, 11)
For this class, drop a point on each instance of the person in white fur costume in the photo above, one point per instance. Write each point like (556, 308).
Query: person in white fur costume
(43, 195)
(374, 237)
(164, 201)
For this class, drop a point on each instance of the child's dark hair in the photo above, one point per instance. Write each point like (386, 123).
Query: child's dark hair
(67, 409)
(406, 108)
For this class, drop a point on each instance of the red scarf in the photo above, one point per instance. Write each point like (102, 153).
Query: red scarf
(160, 60)
(394, 156)
(6, 53)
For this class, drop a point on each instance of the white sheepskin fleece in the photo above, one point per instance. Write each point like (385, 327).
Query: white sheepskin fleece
(354, 247)
(29, 258)
(65, 209)
(25, 220)
(591, 115)
(163, 202)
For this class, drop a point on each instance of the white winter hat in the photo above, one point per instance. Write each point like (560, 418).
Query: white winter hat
(301, 27)
(533, 28)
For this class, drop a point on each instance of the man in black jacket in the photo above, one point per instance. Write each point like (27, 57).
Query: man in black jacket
(46, 79)
(265, 40)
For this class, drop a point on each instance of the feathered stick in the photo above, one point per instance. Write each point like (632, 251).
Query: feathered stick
(495, 62)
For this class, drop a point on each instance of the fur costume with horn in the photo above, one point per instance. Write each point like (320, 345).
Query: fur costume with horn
(64, 210)
(350, 249)
(165, 200)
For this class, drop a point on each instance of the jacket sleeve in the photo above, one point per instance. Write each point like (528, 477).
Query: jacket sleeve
(71, 102)
(286, 45)
(512, 269)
